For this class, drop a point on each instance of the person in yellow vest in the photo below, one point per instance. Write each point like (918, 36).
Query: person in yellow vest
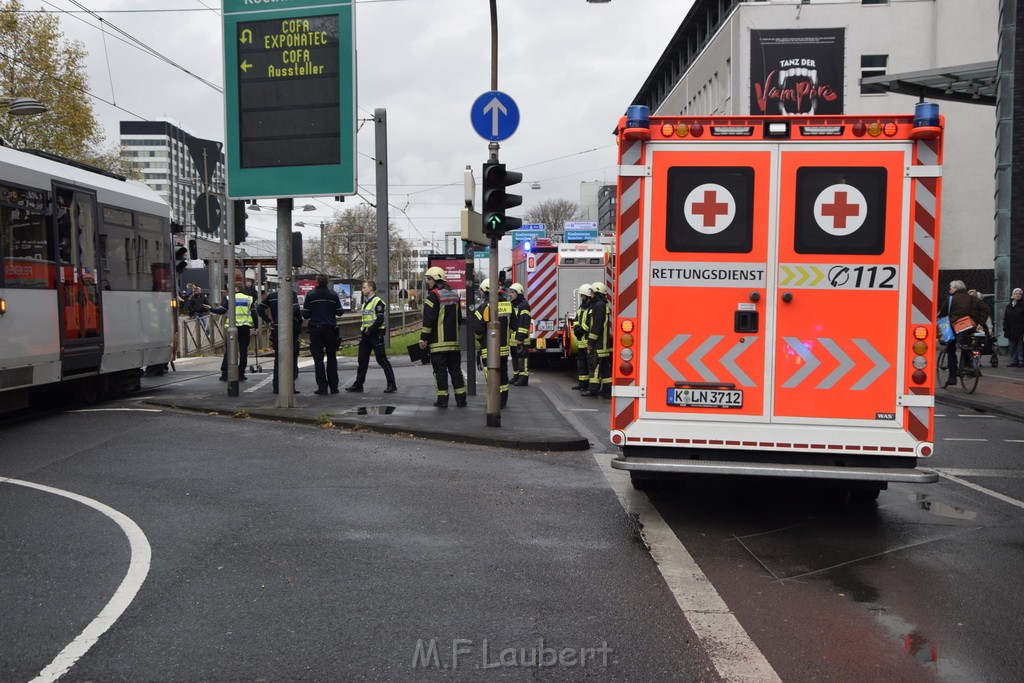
(505, 316)
(522, 319)
(373, 336)
(245, 320)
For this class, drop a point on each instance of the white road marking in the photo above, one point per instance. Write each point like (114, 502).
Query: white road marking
(988, 492)
(1014, 440)
(138, 569)
(730, 649)
(116, 410)
(955, 438)
(270, 377)
(978, 417)
(583, 410)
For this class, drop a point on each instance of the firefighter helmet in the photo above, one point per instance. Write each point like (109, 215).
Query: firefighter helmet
(600, 288)
(485, 286)
(435, 273)
(517, 288)
(586, 290)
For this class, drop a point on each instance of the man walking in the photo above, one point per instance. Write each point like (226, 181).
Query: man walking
(373, 336)
(322, 308)
(522, 318)
(442, 314)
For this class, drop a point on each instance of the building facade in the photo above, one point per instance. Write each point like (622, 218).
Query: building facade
(742, 57)
(161, 150)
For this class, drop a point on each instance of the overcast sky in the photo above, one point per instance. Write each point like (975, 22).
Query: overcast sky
(572, 66)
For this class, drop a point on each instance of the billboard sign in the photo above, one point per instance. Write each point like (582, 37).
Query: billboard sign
(797, 71)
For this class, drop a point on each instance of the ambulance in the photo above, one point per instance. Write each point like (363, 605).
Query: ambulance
(776, 280)
(552, 273)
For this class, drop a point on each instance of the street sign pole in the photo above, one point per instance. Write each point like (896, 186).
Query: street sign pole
(231, 340)
(493, 329)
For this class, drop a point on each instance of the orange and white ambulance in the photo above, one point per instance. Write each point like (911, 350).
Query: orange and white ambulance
(775, 296)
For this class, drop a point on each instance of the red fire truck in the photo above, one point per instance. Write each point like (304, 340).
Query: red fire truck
(552, 274)
(776, 280)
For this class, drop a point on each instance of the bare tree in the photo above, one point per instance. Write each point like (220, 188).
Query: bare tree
(554, 213)
(350, 245)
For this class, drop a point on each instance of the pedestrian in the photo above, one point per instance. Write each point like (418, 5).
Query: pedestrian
(1013, 328)
(267, 311)
(482, 315)
(442, 315)
(245, 321)
(958, 305)
(522, 320)
(373, 336)
(250, 288)
(599, 343)
(197, 308)
(322, 308)
(580, 331)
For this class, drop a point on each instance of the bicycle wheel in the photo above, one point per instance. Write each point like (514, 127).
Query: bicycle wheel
(942, 361)
(969, 375)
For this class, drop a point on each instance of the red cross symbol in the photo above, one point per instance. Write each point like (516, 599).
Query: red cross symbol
(710, 209)
(840, 210)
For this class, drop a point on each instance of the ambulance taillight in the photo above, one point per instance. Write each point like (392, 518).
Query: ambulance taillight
(921, 352)
(626, 340)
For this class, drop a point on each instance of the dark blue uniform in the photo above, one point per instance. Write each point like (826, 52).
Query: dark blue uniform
(267, 311)
(322, 308)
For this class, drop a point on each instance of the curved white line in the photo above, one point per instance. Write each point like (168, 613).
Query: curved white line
(138, 569)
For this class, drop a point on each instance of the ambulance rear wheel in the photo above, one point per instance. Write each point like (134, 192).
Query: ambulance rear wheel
(643, 481)
(865, 495)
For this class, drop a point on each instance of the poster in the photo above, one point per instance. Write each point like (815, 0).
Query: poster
(798, 71)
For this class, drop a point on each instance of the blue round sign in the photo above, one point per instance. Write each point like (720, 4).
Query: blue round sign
(495, 116)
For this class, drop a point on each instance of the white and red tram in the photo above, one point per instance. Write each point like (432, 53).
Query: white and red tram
(86, 286)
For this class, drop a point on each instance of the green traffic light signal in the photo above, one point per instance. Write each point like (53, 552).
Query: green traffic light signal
(496, 200)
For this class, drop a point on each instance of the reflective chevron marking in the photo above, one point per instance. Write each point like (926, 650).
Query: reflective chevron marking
(696, 358)
(729, 361)
(797, 276)
(810, 362)
(881, 365)
(661, 359)
(845, 364)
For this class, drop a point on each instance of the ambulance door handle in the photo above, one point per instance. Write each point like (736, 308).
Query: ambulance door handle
(787, 297)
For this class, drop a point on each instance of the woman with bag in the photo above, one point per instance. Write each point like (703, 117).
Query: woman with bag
(959, 305)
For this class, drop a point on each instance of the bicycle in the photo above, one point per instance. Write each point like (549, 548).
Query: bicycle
(970, 361)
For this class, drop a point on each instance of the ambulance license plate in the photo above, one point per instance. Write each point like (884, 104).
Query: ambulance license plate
(706, 398)
(546, 325)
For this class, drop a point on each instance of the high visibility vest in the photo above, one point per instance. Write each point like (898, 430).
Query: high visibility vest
(369, 313)
(243, 311)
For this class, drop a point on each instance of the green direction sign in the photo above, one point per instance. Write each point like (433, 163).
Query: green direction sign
(290, 114)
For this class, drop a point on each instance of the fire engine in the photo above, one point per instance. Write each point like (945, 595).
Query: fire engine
(774, 301)
(552, 274)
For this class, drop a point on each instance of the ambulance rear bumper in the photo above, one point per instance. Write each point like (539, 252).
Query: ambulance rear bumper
(765, 469)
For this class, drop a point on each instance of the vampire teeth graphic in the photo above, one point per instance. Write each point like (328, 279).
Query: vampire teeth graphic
(803, 83)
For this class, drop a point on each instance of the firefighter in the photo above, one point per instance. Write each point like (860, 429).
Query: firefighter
(505, 316)
(522, 318)
(580, 330)
(599, 343)
(442, 314)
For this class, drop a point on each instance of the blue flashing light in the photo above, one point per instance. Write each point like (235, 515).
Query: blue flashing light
(527, 246)
(926, 114)
(638, 116)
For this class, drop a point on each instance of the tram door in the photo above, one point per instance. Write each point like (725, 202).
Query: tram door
(81, 321)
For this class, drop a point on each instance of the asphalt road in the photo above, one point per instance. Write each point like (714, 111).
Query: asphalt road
(282, 552)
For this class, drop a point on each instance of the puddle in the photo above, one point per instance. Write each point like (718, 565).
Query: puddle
(942, 509)
(371, 410)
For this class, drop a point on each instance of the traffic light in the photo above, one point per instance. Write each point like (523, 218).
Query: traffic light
(496, 200)
(240, 218)
(180, 254)
(296, 249)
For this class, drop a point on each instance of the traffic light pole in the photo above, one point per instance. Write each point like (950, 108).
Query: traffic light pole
(493, 327)
(285, 326)
(231, 339)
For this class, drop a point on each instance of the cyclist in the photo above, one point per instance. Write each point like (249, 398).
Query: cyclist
(958, 305)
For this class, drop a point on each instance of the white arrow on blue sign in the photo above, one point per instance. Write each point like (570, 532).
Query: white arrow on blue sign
(495, 116)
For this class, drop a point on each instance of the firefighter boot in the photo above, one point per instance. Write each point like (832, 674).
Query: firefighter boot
(441, 402)
(504, 399)
(460, 401)
(522, 381)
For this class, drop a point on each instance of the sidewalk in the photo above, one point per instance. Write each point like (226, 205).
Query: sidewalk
(530, 422)
(1000, 391)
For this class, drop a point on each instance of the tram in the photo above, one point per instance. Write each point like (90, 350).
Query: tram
(86, 286)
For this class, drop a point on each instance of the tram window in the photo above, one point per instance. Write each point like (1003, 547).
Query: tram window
(25, 246)
(155, 267)
(840, 210)
(710, 209)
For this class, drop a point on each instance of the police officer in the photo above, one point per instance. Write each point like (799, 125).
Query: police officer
(599, 343)
(442, 314)
(505, 316)
(245, 320)
(372, 336)
(522, 319)
(580, 330)
(267, 311)
(322, 308)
